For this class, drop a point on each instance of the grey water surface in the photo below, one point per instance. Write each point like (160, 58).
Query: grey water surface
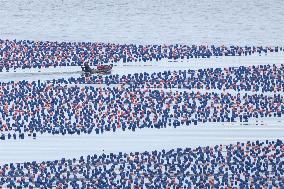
(253, 22)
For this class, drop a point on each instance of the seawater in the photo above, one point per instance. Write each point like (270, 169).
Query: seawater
(218, 22)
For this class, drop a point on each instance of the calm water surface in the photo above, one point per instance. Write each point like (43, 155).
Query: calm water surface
(145, 21)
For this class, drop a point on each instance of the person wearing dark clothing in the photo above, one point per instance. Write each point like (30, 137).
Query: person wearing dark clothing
(86, 68)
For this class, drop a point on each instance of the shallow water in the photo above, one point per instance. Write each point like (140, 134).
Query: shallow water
(150, 67)
(153, 22)
(51, 147)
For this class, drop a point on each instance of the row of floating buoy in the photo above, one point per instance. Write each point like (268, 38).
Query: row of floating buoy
(219, 166)
(60, 107)
(26, 54)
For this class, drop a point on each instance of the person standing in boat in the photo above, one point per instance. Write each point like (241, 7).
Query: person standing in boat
(86, 67)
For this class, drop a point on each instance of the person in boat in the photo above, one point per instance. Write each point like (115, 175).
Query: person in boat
(87, 68)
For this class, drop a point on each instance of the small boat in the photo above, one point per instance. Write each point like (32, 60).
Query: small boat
(101, 69)
(104, 68)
